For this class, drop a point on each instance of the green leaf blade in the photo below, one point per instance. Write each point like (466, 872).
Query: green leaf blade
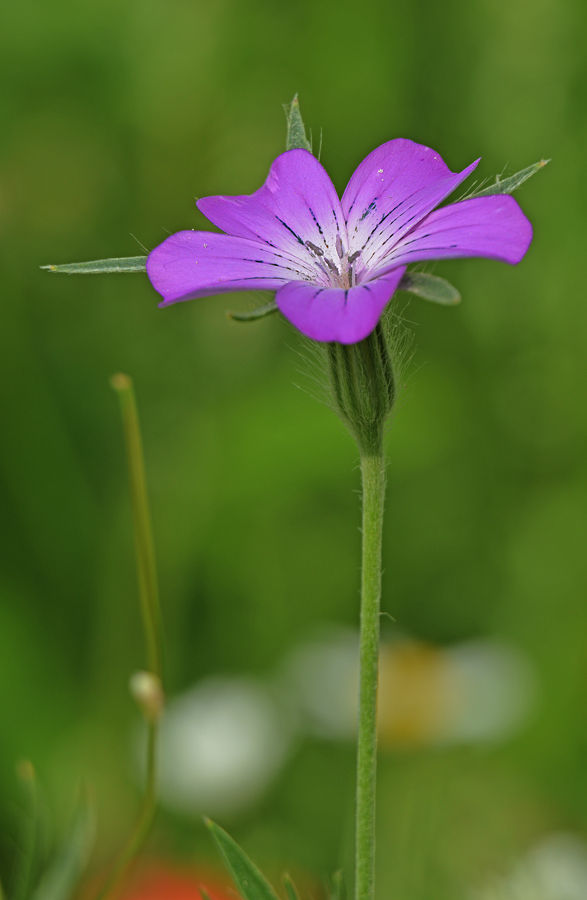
(507, 185)
(296, 130)
(290, 888)
(101, 266)
(338, 887)
(30, 857)
(252, 885)
(61, 878)
(430, 287)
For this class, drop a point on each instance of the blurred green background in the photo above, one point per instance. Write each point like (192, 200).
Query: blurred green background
(115, 115)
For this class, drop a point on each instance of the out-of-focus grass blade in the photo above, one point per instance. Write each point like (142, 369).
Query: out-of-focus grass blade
(296, 130)
(247, 877)
(290, 888)
(30, 851)
(102, 266)
(146, 686)
(337, 889)
(430, 287)
(61, 878)
(145, 551)
(266, 310)
(507, 185)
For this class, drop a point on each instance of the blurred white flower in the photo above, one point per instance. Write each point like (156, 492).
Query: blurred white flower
(221, 744)
(476, 691)
(555, 869)
(322, 676)
(494, 691)
(225, 739)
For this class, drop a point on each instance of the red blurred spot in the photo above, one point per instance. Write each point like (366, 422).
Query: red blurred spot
(161, 882)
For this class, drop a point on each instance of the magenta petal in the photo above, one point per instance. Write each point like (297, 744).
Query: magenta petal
(335, 314)
(193, 264)
(494, 227)
(297, 203)
(391, 190)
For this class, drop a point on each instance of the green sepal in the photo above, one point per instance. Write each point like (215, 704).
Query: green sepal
(363, 387)
(247, 877)
(296, 130)
(266, 310)
(61, 879)
(102, 266)
(338, 887)
(204, 892)
(430, 287)
(290, 888)
(507, 185)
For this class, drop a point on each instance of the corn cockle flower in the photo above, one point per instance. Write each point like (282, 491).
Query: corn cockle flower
(335, 264)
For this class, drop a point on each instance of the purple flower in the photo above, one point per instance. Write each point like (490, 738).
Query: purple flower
(335, 264)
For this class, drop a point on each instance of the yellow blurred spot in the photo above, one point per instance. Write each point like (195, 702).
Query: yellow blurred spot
(121, 382)
(414, 694)
(25, 770)
(147, 691)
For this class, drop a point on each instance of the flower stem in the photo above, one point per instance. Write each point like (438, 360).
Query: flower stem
(373, 476)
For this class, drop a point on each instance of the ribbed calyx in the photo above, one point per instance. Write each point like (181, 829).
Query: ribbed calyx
(363, 387)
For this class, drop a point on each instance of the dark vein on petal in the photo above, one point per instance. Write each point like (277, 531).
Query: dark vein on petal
(213, 285)
(370, 208)
(421, 195)
(264, 262)
(381, 220)
(393, 235)
(297, 237)
(319, 291)
(432, 249)
(292, 258)
(318, 226)
(419, 238)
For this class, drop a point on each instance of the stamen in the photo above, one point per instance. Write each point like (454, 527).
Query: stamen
(339, 249)
(354, 256)
(314, 248)
(331, 266)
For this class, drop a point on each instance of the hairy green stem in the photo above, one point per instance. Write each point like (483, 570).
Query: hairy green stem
(373, 476)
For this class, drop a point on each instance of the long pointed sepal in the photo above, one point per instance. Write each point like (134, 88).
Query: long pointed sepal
(507, 185)
(296, 130)
(101, 266)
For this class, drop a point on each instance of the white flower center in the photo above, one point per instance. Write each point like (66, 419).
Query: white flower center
(341, 271)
